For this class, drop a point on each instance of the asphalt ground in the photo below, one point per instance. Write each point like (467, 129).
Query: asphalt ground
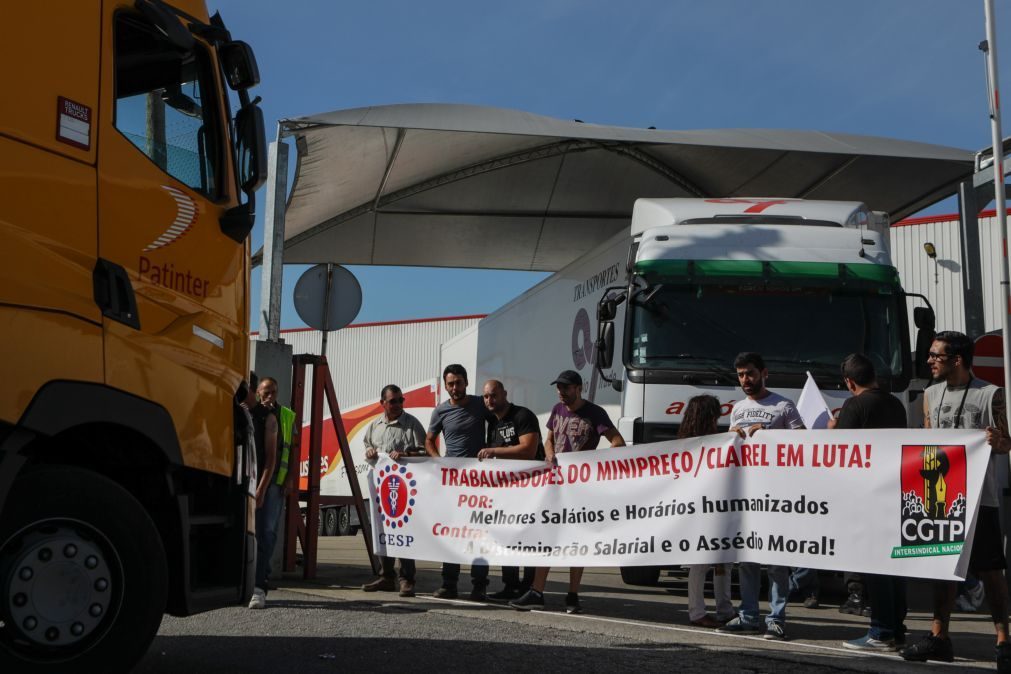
(330, 625)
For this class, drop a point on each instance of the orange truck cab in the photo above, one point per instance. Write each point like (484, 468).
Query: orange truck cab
(129, 154)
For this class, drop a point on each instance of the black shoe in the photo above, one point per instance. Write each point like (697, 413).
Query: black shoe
(532, 599)
(929, 648)
(854, 604)
(572, 603)
(445, 593)
(478, 593)
(505, 594)
(1003, 652)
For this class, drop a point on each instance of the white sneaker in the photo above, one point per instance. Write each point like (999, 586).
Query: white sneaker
(259, 599)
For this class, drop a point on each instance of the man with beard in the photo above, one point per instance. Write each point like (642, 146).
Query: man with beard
(513, 434)
(461, 421)
(760, 409)
(960, 400)
(575, 425)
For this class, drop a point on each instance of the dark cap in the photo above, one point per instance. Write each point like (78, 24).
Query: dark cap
(568, 377)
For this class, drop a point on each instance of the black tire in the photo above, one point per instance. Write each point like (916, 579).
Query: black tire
(641, 575)
(64, 522)
(344, 521)
(329, 517)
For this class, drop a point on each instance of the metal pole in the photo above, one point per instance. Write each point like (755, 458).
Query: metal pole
(273, 240)
(326, 309)
(998, 178)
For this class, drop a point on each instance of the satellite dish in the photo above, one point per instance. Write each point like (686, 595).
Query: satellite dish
(327, 297)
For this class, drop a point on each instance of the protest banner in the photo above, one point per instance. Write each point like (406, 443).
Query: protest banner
(898, 502)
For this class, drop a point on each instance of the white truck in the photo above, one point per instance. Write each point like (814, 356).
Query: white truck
(695, 282)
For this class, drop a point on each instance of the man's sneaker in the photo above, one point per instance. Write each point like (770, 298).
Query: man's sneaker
(869, 643)
(532, 599)
(259, 599)
(738, 626)
(572, 603)
(774, 632)
(445, 593)
(970, 600)
(505, 594)
(381, 583)
(1004, 658)
(406, 588)
(478, 593)
(853, 605)
(811, 602)
(929, 648)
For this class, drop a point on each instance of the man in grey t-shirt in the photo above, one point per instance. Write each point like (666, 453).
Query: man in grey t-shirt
(461, 421)
(960, 400)
(761, 408)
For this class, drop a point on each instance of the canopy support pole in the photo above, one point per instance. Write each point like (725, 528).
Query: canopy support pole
(273, 240)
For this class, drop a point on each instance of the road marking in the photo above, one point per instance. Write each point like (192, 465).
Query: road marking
(959, 662)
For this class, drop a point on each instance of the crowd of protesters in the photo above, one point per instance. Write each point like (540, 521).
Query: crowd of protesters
(493, 427)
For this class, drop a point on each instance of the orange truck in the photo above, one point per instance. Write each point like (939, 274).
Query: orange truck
(129, 154)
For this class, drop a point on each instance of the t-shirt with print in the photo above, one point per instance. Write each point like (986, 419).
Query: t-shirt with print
(517, 421)
(772, 411)
(579, 430)
(462, 427)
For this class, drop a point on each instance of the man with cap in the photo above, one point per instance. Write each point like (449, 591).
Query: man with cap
(575, 425)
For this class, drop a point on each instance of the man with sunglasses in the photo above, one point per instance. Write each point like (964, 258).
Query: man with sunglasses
(396, 433)
(960, 400)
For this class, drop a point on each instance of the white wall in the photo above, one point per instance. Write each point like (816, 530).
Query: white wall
(945, 289)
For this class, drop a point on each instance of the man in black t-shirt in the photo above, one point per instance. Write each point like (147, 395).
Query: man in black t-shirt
(870, 407)
(513, 433)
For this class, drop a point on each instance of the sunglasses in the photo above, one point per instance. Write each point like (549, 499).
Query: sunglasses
(399, 401)
(937, 356)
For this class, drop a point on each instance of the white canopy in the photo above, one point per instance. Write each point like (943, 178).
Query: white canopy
(465, 186)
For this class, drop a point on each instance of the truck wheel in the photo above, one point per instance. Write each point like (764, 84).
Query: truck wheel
(641, 575)
(329, 517)
(83, 577)
(344, 521)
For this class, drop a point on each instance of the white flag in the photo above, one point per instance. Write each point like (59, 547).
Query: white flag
(812, 407)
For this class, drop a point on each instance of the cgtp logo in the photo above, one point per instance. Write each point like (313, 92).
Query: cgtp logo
(396, 491)
(933, 501)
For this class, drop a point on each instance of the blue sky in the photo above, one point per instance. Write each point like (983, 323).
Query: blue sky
(901, 68)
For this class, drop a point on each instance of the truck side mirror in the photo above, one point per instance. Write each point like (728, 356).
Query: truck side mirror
(239, 65)
(923, 318)
(607, 309)
(605, 344)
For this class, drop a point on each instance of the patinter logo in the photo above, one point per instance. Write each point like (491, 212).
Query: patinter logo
(396, 493)
(933, 501)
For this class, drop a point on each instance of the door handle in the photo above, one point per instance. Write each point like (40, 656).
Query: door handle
(114, 293)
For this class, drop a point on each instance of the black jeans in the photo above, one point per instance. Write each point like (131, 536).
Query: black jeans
(511, 577)
(407, 568)
(451, 575)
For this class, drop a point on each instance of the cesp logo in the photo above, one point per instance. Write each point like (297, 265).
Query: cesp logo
(933, 501)
(396, 491)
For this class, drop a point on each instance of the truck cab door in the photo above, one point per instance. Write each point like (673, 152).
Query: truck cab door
(170, 284)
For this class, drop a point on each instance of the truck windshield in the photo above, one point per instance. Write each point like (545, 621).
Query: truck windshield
(796, 327)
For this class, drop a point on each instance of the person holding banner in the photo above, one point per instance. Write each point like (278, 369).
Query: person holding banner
(513, 434)
(870, 407)
(701, 416)
(960, 400)
(394, 432)
(761, 408)
(461, 422)
(575, 425)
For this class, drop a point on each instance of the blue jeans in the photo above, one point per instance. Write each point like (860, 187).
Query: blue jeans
(887, 595)
(751, 583)
(804, 582)
(267, 517)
